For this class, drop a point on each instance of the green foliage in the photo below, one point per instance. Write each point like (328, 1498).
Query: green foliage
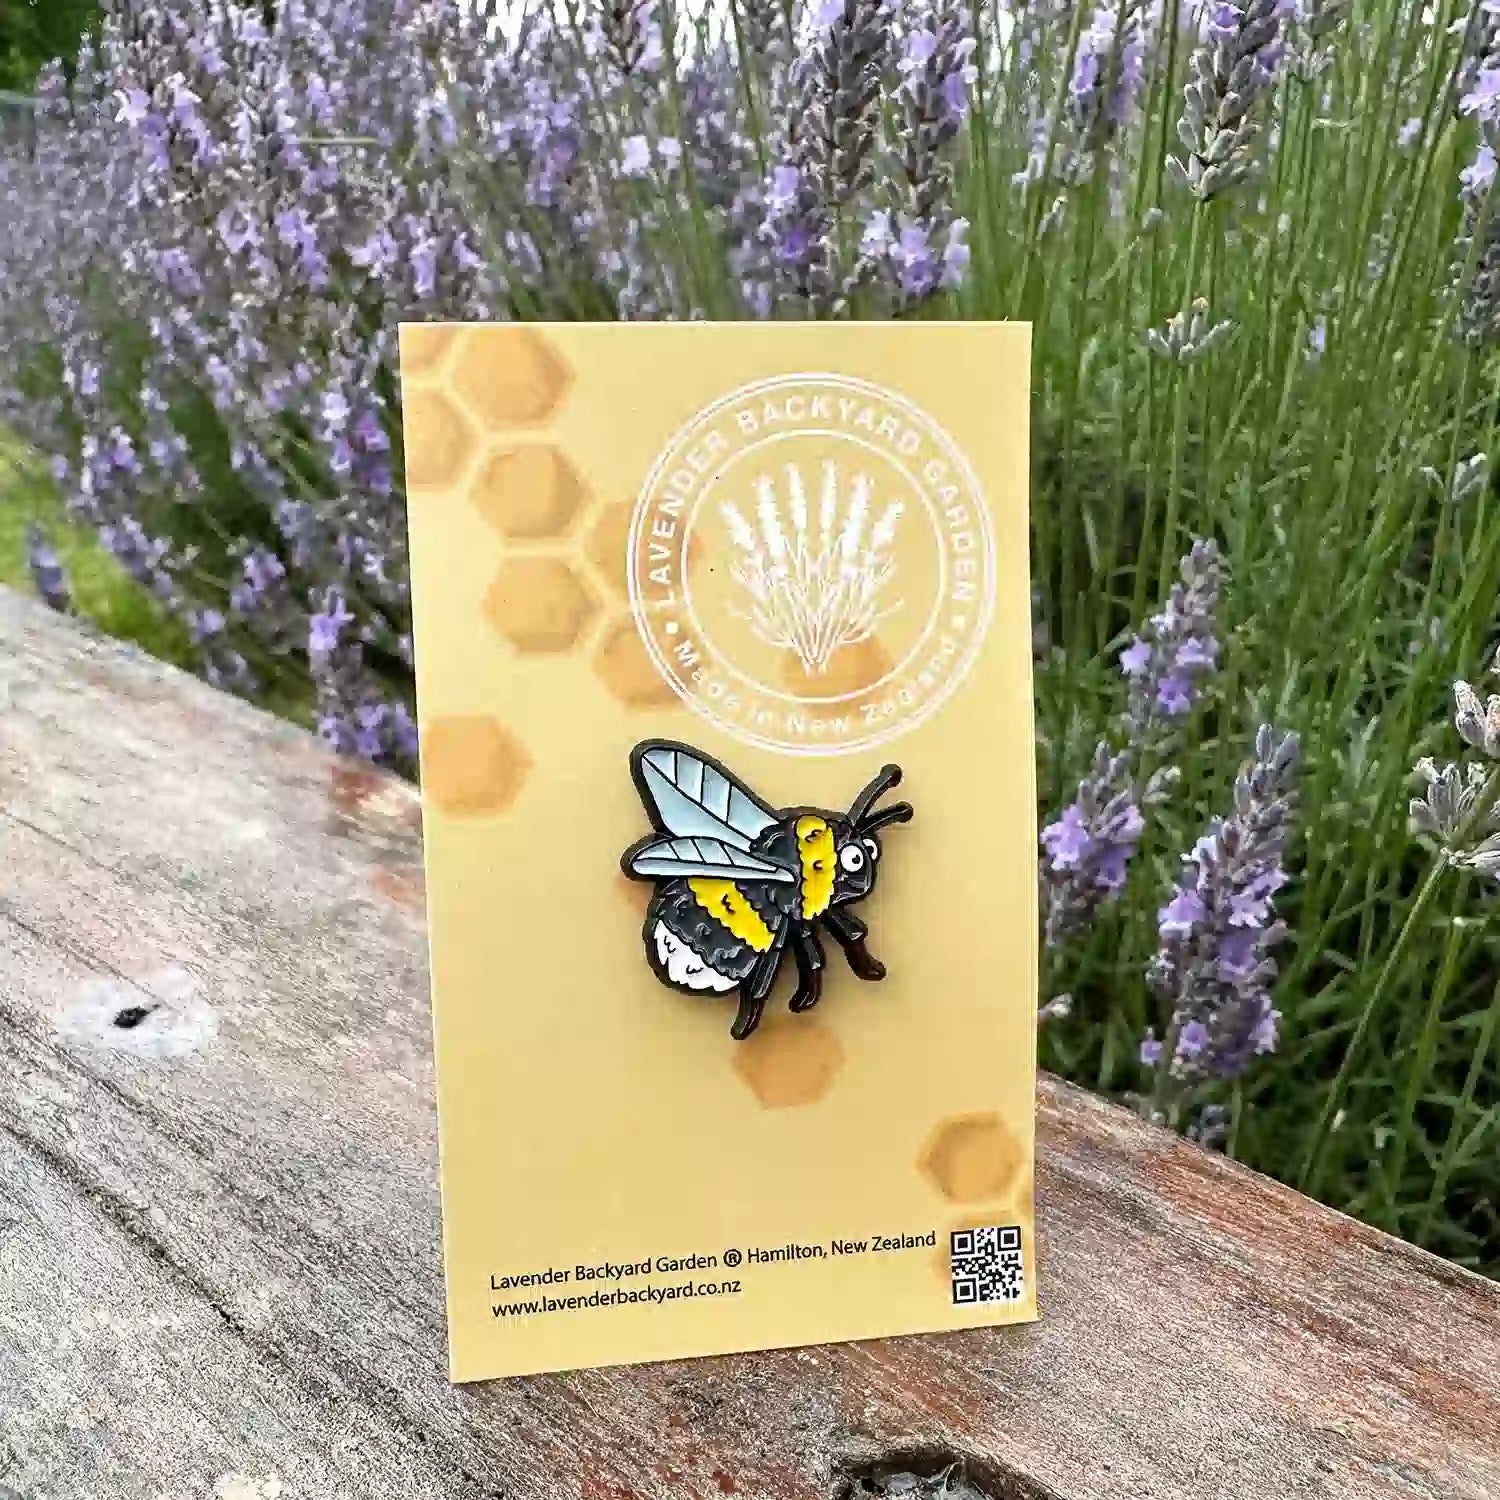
(34, 32)
(1320, 443)
(103, 593)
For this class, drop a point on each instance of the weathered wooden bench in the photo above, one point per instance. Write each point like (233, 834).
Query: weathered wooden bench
(219, 1238)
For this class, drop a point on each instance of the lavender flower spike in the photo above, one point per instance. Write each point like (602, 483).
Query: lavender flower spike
(1230, 71)
(921, 243)
(1478, 247)
(1214, 965)
(828, 162)
(1189, 336)
(1088, 848)
(631, 33)
(47, 571)
(937, 75)
(1108, 71)
(1479, 308)
(1174, 650)
(1459, 813)
(1477, 720)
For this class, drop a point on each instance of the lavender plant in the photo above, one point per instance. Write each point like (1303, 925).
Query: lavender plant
(828, 161)
(1231, 70)
(1088, 848)
(47, 572)
(919, 241)
(1214, 967)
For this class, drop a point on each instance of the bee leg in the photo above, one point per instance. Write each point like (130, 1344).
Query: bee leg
(748, 1016)
(851, 934)
(808, 953)
(753, 992)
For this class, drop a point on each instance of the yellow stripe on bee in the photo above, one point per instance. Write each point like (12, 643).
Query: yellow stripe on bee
(815, 849)
(728, 905)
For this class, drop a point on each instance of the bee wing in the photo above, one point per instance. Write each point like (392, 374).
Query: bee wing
(692, 797)
(660, 859)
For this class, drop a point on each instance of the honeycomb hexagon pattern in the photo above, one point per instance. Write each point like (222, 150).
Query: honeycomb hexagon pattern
(539, 604)
(606, 547)
(628, 672)
(424, 346)
(439, 438)
(971, 1158)
(789, 1060)
(509, 376)
(472, 766)
(529, 493)
(850, 671)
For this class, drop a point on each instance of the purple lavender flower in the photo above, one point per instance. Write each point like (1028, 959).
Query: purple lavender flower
(1108, 71)
(1214, 966)
(1088, 847)
(188, 185)
(1478, 247)
(1459, 811)
(1230, 72)
(928, 250)
(1478, 80)
(1210, 1127)
(325, 627)
(47, 571)
(1176, 649)
(635, 156)
(827, 162)
(631, 34)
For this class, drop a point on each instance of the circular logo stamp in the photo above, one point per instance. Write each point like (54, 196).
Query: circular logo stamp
(810, 564)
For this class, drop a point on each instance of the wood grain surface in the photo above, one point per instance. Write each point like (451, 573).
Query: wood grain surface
(219, 1233)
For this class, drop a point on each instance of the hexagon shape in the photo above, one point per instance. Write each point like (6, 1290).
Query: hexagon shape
(510, 376)
(539, 604)
(971, 1158)
(608, 539)
(529, 493)
(424, 346)
(789, 1060)
(851, 670)
(628, 672)
(607, 547)
(438, 439)
(471, 765)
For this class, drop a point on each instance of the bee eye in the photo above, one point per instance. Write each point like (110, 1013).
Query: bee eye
(872, 848)
(852, 858)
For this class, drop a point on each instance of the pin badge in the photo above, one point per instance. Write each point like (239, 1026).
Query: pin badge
(738, 884)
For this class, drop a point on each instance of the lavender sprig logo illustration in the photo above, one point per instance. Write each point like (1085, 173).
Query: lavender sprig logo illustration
(816, 571)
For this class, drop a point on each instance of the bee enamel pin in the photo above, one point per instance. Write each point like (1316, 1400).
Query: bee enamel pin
(737, 883)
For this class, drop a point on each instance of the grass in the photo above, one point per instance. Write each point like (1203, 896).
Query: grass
(103, 593)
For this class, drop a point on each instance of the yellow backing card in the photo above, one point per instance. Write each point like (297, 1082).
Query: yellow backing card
(800, 549)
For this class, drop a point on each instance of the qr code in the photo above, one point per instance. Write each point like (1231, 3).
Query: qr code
(988, 1265)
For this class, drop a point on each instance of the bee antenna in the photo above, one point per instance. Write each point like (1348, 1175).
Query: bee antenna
(887, 777)
(897, 812)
